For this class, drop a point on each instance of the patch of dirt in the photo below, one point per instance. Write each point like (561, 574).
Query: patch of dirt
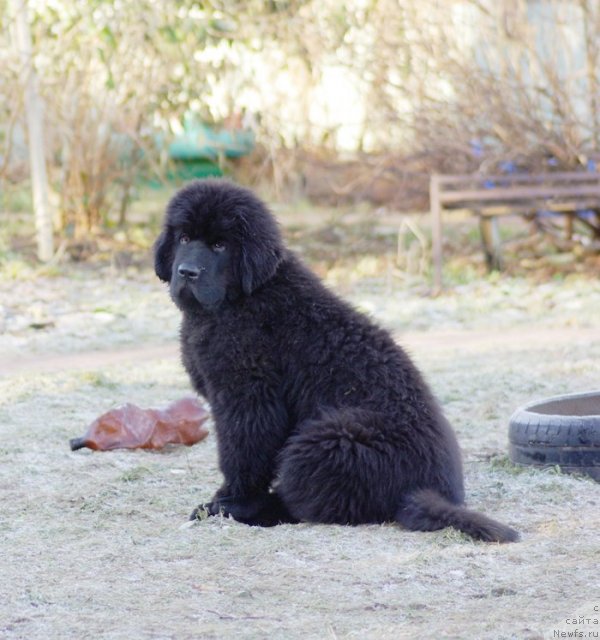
(97, 544)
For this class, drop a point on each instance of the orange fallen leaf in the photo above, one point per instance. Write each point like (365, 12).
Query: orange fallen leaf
(130, 427)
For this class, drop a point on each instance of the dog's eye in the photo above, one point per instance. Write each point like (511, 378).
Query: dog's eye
(184, 239)
(218, 246)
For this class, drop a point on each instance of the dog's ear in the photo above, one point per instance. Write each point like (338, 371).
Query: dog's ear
(257, 264)
(163, 255)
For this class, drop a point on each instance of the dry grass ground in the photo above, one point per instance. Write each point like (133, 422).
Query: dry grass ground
(95, 545)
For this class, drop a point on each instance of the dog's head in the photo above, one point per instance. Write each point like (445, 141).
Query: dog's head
(219, 241)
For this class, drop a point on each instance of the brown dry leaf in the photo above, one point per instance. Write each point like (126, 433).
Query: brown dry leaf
(130, 427)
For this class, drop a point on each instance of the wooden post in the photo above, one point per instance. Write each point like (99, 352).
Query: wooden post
(490, 239)
(436, 232)
(569, 224)
(34, 112)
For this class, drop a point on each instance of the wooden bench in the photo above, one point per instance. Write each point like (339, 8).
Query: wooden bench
(490, 196)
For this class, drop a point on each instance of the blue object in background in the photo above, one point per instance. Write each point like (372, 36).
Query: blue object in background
(508, 166)
(200, 140)
(476, 148)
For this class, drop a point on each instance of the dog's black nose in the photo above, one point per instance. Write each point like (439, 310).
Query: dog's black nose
(188, 271)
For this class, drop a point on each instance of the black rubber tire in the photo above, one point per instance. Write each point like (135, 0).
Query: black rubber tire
(561, 431)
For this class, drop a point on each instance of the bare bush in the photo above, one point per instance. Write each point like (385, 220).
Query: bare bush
(452, 87)
(96, 144)
(489, 82)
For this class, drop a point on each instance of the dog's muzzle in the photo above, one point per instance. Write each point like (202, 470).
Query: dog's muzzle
(189, 271)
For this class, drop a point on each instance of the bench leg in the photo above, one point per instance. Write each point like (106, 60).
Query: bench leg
(436, 233)
(596, 224)
(490, 237)
(569, 224)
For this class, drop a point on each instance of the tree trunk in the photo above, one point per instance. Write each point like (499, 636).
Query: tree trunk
(34, 111)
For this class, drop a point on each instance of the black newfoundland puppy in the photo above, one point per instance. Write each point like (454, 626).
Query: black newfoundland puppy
(320, 416)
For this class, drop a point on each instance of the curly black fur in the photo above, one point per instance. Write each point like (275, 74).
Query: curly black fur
(320, 416)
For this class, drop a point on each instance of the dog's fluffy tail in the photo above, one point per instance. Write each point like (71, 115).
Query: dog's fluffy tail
(427, 510)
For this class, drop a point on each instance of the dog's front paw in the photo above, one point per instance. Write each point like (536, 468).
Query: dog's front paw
(259, 510)
(203, 511)
(241, 509)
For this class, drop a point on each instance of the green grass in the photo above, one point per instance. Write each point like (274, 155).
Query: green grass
(503, 463)
(135, 473)
(98, 380)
